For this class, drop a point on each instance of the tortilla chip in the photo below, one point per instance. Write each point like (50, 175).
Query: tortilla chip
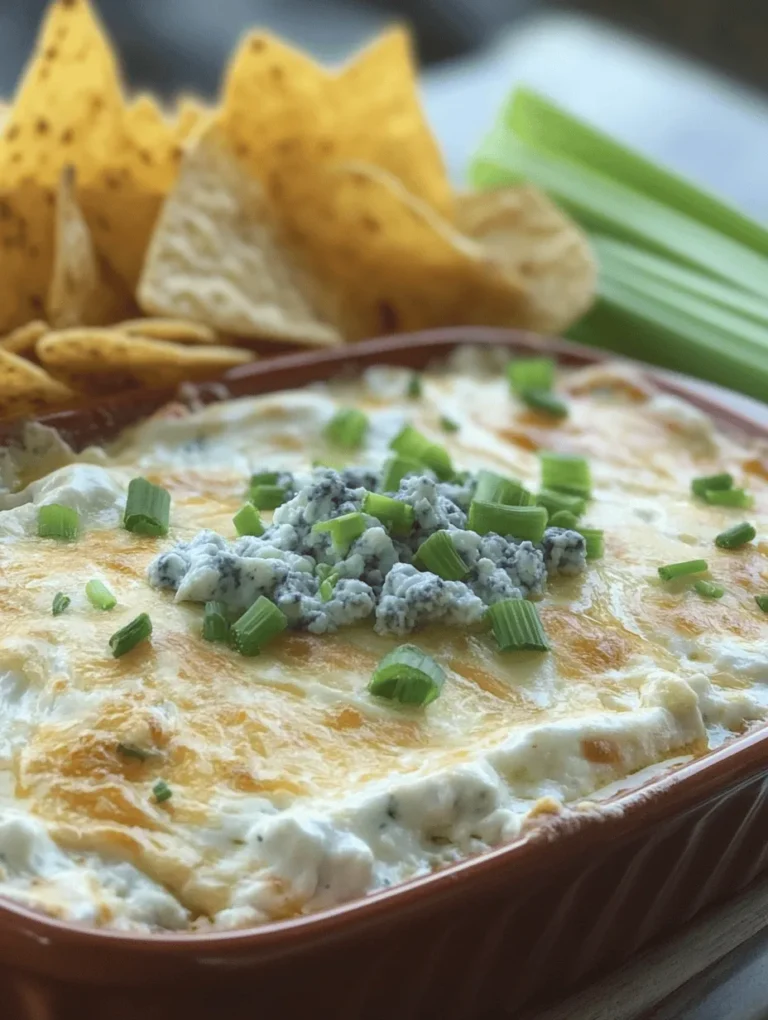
(75, 266)
(22, 341)
(5, 111)
(281, 112)
(537, 243)
(388, 263)
(67, 110)
(216, 257)
(181, 330)
(26, 388)
(189, 117)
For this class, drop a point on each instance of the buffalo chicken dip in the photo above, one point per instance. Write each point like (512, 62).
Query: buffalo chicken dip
(263, 657)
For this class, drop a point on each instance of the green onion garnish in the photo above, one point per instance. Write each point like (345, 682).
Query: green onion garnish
(347, 428)
(555, 501)
(711, 482)
(593, 537)
(531, 374)
(267, 497)
(762, 602)
(438, 555)
(130, 635)
(564, 519)
(215, 622)
(99, 595)
(524, 522)
(343, 530)
(517, 627)
(709, 589)
(257, 626)
(728, 497)
(673, 570)
(448, 424)
(323, 571)
(247, 521)
(493, 488)
(414, 390)
(547, 403)
(736, 536)
(409, 676)
(264, 478)
(161, 791)
(326, 587)
(567, 472)
(57, 521)
(395, 470)
(147, 508)
(410, 443)
(60, 603)
(395, 515)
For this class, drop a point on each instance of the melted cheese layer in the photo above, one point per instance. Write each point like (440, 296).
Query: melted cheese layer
(292, 788)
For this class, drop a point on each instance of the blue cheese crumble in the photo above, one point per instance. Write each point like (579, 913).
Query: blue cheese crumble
(375, 575)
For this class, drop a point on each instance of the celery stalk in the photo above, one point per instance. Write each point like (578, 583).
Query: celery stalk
(542, 124)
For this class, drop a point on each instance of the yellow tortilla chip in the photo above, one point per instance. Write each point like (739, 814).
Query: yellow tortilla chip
(75, 267)
(281, 112)
(182, 331)
(189, 118)
(216, 256)
(67, 109)
(22, 341)
(387, 263)
(26, 388)
(537, 244)
(92, 359)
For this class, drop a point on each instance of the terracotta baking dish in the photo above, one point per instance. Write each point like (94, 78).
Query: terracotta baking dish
(510, 927)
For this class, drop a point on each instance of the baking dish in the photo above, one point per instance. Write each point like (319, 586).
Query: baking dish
(482, 937)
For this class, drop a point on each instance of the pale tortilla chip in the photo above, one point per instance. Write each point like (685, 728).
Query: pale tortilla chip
(28, 389)
(216, 256)
(75, 266)
(526, 234)
(22, 341)
(387, 262)
(104, 360)
(181, 331)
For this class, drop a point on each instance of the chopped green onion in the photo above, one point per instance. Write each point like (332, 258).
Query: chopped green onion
(699, 486)
(395, 515)
(762, 602)
(517, 627)
(57, 521)
(567, 472)
(593, 537)
(215, 622)
(407, 675)
(448, 424)
(257, 626)
(555, 501)
(531, 374)
(564, 519)
(161, 791)
(395, 470)
(343, 530)
(709, 589)
(728, 497)
(524, 522)
(736, 536)
(347, 428)
(326, 588)
(493, 488)
(99, 595)
(247, 521)
(673, 570)
(323, 571)
(410, 443)
(134, 751)
(540, 400)
(60, 603)
(264, 478)
(438, 555)
(147, 508)
(267, 497)
(130, 635)
(414, 390)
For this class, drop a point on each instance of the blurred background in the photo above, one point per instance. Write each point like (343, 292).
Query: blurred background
(684, 80)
